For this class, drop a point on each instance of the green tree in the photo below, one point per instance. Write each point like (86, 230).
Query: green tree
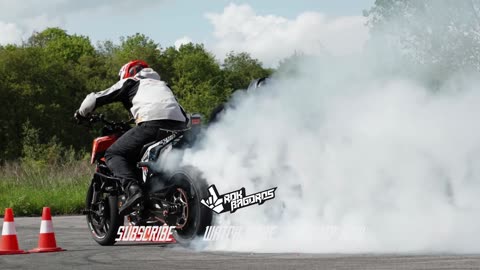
(140, 47)
(44, 85)
(57, 42)
(167, 58)
(45, 79)
(241, 68)
(198, 80)
(17, 66)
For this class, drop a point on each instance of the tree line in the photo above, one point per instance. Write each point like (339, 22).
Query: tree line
(44, 79)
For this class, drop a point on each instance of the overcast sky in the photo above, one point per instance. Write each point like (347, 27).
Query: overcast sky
(268, 29)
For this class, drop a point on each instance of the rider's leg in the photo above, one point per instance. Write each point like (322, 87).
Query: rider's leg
(122, 156)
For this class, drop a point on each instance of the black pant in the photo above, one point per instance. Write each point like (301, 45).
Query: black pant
(122, 156)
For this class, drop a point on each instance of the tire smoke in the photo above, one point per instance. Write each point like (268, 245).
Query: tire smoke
(363, 161)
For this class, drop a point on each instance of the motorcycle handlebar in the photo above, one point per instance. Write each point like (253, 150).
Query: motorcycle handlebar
(95, 118)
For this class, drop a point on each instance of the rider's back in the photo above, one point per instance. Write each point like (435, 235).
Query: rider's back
(154, 100)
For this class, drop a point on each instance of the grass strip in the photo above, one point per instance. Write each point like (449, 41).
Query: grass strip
(28, 189)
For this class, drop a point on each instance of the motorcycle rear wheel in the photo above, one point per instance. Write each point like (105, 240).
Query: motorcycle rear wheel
(195, 187)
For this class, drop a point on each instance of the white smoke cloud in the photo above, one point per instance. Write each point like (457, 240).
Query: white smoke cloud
(350, 147)
(271, 38)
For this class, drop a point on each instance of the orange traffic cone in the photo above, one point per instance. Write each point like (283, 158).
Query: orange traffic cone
(46, 239)
(9, 242)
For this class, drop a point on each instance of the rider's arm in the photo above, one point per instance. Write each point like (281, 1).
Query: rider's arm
(117, 92)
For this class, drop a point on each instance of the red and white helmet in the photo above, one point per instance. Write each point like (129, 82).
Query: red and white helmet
(131, 68)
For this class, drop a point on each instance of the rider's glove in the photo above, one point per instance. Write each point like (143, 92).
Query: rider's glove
(80, 118)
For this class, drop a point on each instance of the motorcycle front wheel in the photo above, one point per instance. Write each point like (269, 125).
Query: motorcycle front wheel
(102, 215)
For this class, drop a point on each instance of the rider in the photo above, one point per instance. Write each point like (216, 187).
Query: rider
(152, 104)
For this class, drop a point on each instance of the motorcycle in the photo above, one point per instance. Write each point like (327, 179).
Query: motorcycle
(170, 198)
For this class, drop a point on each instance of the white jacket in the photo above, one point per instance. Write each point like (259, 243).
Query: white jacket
(145, 95)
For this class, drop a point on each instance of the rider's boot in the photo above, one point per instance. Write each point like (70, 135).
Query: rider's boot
(134, 196)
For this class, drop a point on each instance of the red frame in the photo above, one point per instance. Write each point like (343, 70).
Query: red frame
(101, 144)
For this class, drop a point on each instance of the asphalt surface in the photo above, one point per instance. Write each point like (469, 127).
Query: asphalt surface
(83, 253)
